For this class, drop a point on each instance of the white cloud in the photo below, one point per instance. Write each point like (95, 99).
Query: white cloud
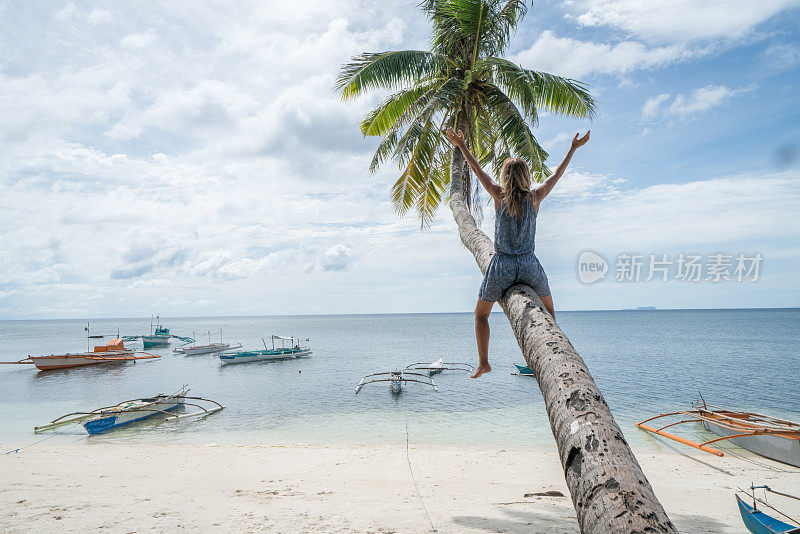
(673, 21)
(700, 100)
(99, 16)
(337, 258)
(650, 108)
(135, 41)
(783, 55)
(574, 58)
(582, 185)
(687, 106)
(698, 215)
(209, 105)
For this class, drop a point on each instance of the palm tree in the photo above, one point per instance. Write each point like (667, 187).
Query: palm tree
(463, 81)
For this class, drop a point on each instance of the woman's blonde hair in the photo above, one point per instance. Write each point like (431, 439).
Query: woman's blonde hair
(515, 183)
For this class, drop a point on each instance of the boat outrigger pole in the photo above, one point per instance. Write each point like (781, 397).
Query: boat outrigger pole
(660, 432)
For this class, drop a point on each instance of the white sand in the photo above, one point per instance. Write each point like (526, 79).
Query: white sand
(172, 488)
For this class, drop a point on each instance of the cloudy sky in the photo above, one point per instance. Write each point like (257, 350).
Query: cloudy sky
(192, 159)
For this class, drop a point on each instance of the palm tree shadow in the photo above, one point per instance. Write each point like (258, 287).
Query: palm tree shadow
(560, 521)
(519, 522)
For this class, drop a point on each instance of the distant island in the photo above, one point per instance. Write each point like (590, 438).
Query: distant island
(641, 308)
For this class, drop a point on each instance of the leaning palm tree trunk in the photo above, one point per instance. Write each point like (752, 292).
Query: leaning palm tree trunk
(608, 488)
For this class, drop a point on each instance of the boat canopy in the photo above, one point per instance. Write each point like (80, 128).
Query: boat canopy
(113, 345)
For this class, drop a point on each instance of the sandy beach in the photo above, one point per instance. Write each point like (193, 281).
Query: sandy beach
(174, 488)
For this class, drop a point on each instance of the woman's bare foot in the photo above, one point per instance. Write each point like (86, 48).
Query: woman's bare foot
(482, 368)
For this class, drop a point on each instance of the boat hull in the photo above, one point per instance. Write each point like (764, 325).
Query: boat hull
(523, 370)
(264, 355)
(110, 421)
(758, 522)
(155, 341)
(779, 448)
(205, 349)
(65, 361)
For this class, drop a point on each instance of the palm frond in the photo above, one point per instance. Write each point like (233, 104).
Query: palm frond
(384, 150)
(387, 70)
(430, 190)
(411, 183)
(514, 130)
(394, 111)
(532, 89)
(563, 96)
(483, 25)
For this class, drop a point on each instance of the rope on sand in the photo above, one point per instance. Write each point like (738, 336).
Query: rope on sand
(414, 480)
(43, 439)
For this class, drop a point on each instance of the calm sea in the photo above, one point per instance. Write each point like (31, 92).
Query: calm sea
(644, 362)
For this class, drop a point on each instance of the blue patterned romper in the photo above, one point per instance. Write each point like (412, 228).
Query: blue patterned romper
(513, 261)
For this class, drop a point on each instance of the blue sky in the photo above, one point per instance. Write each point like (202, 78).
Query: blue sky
(193, 160)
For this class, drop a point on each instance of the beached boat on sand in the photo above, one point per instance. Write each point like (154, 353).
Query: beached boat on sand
(110, 417)
(777, 439)
(112, 352)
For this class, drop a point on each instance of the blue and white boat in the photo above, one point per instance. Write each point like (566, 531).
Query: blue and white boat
(294, 350)
(758, 522)
(124, 413)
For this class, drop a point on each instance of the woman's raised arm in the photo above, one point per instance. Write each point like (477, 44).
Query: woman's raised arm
(490, 185)
(548, 185)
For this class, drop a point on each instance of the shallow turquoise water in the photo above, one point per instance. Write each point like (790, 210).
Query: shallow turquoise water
(643, 361)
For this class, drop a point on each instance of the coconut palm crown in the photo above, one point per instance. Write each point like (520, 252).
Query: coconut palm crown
(463, 82)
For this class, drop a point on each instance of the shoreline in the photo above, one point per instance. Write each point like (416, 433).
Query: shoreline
(349, 488)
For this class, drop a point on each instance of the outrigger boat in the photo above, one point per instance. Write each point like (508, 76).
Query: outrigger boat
(523, 370)
(757, 521)
(109, 417)
(211, 348)
(158, 337)
(112, 352)
(777, 439)
(396, 380)
(294, 350)
(434, 368)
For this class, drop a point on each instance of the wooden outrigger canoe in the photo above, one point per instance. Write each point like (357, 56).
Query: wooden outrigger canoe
(131, 411)
(112, 352)
(294, 350)
(434, 368)
(396, 380)
(777, 439)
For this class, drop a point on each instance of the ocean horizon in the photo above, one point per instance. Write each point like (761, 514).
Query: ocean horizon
(495, 311)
